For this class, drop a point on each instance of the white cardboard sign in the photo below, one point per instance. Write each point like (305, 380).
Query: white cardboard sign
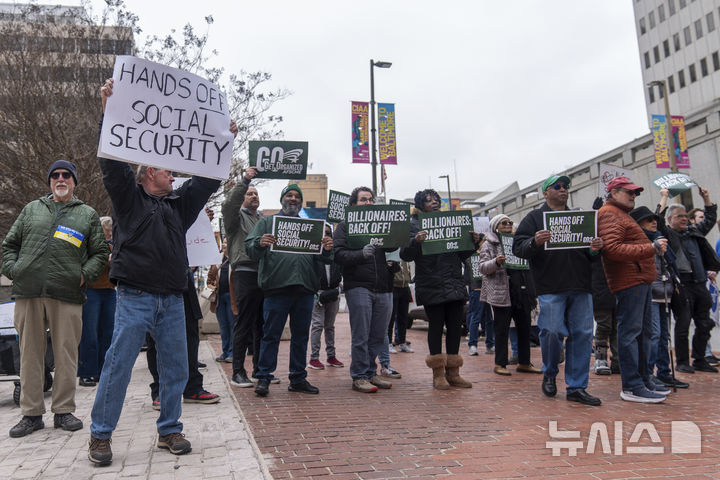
(167, 118)
(607, 173)
(202, 247)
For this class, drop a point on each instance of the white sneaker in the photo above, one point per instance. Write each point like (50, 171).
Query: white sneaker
(404, 347)
(602, 367)
(473, 350)
(392, 349)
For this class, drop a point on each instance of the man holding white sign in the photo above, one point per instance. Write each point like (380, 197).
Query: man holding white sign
(562, 282)
(150, 220)
(289, 282)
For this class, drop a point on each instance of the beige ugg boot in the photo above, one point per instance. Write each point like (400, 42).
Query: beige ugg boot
(437, 363)
(452, 372)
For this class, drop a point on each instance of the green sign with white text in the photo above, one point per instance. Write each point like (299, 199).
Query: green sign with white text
(279, 159)
(297, 235)
(570, 228)
(447, 231)
(385, 226)
(337, 204)
(511, 261)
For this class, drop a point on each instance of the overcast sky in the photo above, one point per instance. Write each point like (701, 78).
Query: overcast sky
(489, 92)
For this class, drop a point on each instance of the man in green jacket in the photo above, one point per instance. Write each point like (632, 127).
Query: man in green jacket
(53, 250)
(289, 282)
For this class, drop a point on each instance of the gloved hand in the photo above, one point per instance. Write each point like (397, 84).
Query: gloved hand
(368, 251)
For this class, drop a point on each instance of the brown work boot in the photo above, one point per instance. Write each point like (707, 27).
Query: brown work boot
(437, 363)
(99, 451)
(452, 372)
(175, 442)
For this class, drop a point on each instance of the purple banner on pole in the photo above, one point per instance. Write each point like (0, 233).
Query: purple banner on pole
(360, 145)
(386, 134)
(662, 142)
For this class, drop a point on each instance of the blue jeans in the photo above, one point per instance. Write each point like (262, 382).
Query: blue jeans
(661, 356)
(566, 315)
(226, 321)
(139, 312)
(369, 317)
(636, 335)
(479, 314)
(512, 334)
(276, 310)
(98, 319)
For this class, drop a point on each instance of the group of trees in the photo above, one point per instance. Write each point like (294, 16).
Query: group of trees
(53, 61)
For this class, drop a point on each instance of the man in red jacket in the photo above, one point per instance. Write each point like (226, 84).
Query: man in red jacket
(628, 260)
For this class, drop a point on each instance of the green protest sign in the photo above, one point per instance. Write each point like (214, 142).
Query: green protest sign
(475, 265)
(676, 183)
(386, 226)
(511, 261)
(297, 235)
(570, 228)
(279, 159)
(447, 231)
(399, 202)
(337, 204)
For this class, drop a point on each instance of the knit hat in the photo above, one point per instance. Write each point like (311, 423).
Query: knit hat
(292, 186)
(69, 166)
(495, 221)
(552, 179)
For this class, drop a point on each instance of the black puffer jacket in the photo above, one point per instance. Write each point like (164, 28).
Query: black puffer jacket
(603, 299)
(438, 278)
(358, 271)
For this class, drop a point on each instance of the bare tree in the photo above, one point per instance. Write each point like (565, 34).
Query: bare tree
(52, 63)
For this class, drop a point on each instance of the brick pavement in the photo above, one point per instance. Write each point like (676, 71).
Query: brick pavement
(497, 429)
(222, 446)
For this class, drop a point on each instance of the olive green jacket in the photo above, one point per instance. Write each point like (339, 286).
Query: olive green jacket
(51, 246)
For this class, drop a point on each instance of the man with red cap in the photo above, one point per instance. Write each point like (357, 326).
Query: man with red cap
(628, 260)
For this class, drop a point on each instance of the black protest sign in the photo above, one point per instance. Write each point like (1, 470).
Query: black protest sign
(337, 204)
(297, 235)
(279, 159)
(570, 228)
(511, 261)
(386, 226)
(676, 183)
(166, 118)
(447, 231)
(475, 265)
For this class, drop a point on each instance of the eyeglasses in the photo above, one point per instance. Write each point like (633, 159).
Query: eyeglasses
(631, 192)
(56, 175)
(559, 185)
(505, 223)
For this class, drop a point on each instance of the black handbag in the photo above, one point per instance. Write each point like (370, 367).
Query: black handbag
(328, 296)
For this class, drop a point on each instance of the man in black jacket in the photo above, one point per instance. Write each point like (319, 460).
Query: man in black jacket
(694, 257)
(149, 266)
(563, 284)
(368, 291)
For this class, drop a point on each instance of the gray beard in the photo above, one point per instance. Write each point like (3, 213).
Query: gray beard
(290, 210)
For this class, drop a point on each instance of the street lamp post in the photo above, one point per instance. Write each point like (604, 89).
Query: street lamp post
(685, 197)
(374, 64)
(447, 177)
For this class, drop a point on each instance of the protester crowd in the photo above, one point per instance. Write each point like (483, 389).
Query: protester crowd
(107, 287)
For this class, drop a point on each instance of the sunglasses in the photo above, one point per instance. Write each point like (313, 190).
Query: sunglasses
(505, 223)
(56, 175)
(559, 185)
(631, 192)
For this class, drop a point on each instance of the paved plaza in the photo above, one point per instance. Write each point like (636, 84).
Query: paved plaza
(497, 429)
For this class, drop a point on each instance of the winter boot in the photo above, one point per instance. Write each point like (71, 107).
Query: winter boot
(452, 372)
(437, 363)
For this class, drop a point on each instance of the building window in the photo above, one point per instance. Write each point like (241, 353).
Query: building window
(693, 74)
(646, 55)
(642, 26)
(681, 78)
(698, 29)
(310, 204)
(716, 61)
(688, 36)
(651, 94)
(661, 13)
(710, 20)
(676, 42)
(656, 53)
(666, 48)
(671, 84)
(671, 7)
(683, 3)
(651, 20)
(703, 67)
